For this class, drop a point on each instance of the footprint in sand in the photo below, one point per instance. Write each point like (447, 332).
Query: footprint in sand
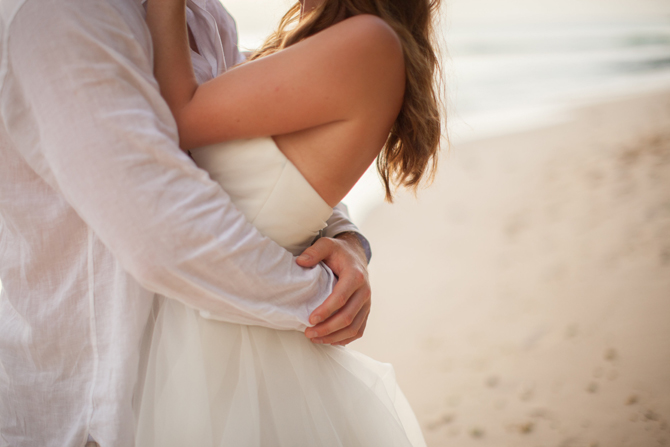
(632, 399)
(611, 355)
(525, 428)
(526, 392)
(492, 381)
(443, 419)
(572, 330)
(651, 415)
(477, 432)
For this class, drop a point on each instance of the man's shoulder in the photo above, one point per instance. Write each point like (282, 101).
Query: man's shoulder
(72, 11)
(69, 22)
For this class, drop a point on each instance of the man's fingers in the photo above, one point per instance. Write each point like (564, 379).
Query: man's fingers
(346, 286)
(361, 331)
(316, 253)
(343, 318)
(350, 332)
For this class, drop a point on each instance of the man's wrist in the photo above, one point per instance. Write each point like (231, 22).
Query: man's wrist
(360, 239)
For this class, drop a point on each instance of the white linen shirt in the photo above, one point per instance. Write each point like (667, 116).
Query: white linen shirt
(100, 210)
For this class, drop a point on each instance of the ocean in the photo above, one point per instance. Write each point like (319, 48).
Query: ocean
(502, 78)
(509, 78)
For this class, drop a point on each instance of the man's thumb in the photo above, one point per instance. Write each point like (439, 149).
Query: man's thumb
(314, 254)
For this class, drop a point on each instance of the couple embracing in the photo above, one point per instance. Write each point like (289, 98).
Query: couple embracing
(177, 269)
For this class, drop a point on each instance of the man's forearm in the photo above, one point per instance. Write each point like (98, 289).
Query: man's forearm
(107, 141)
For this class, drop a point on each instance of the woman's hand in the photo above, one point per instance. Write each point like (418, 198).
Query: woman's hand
(342, 317)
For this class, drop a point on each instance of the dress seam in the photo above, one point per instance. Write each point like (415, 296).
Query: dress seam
(4, 62)
(92, 328)
(265, 202)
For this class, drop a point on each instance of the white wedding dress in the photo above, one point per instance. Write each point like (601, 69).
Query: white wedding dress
(211, 383)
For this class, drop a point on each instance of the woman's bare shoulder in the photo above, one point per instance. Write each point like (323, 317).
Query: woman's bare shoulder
(371, 29)
(366, 56)
(368, 39)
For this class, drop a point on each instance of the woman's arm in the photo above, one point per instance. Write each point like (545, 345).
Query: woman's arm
(172, 58)
(317, 81)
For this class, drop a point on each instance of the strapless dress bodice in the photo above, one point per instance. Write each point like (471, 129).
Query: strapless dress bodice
(268, 189)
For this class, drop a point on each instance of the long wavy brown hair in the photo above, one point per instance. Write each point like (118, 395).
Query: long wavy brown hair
(410, 152)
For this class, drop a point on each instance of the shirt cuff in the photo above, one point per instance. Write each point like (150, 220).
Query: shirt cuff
(364, 243)
(339, 223)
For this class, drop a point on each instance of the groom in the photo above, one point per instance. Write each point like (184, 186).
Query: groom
(100, 210)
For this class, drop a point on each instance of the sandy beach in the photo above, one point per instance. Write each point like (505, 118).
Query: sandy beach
(524, 298)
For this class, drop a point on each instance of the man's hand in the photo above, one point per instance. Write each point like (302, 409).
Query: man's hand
(342, 317)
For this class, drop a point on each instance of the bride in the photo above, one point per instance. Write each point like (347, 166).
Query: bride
(287, 134)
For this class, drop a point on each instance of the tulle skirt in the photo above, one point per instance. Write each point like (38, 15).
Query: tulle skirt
(210, 383)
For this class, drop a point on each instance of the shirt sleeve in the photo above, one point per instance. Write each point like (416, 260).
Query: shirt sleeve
(106, 140)
(340, 223)
(227, 32)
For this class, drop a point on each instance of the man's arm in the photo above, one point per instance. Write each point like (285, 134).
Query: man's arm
(340, 320)
(340, 223)
(109, 141)
(347, 252)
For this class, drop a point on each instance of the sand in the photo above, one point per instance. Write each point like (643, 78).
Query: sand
(524, 299)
